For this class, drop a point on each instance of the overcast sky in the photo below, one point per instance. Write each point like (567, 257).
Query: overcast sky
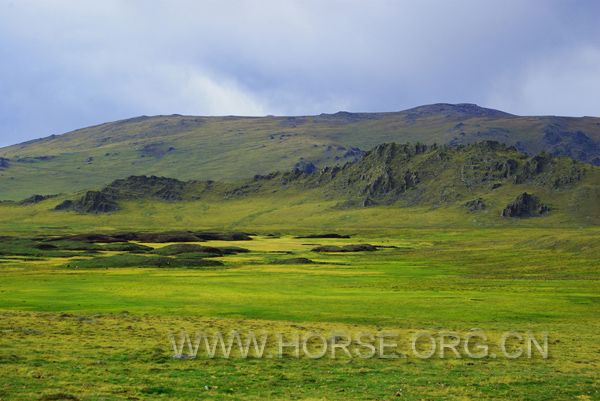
(70, 64)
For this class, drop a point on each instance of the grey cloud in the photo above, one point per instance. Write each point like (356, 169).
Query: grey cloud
(68, 64)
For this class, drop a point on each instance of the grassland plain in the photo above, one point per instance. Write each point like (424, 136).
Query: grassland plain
(102, 334)
(74, 329)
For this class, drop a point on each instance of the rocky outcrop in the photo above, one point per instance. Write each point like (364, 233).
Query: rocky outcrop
(4, 163)
(577, 144)
(475, 205)
(156, 150)
(135, 187)
(390, 174)
(525, 205)
(92, 202)
(36, 199)
(305, 167)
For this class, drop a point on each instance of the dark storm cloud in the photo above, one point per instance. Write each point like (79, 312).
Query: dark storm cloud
(68, 64)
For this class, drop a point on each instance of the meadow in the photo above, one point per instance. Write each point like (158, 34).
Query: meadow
(93, 333)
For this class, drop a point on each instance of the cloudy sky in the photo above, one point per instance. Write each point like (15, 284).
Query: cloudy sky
(69, 64)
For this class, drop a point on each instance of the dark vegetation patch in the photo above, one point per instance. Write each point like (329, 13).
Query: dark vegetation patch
(126, 247)
(294, 261)
(58, 397)
(10, 246)
(92, 244)
(159, 390)
(225, 236)
(232, 250)
(177, 249)
(10, 358)
(69, 245)
(174, 236)
(4, 163)
(160, 237)
(327, 235)
(45, 247)
(129, 260)
(101, 238)
(525, 205)
(346, 248)
(35, 159)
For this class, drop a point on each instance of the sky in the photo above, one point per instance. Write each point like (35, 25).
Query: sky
(69, 64)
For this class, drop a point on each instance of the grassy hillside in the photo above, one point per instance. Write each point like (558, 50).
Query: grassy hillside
(234, 148)
(393, 186)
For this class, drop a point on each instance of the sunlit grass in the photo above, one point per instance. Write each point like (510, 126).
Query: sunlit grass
(64, 327)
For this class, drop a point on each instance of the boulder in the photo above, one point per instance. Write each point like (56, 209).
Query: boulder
(525, 205)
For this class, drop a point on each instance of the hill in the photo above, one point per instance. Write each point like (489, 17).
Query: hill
(235, 148)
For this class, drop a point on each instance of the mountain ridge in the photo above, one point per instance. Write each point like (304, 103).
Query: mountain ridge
(230, 148)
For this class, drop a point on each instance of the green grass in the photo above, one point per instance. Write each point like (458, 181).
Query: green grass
(102, 333)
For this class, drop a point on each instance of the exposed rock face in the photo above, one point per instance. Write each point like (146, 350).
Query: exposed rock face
(399, 174)
(66, 205)
(35, 199)
(576, 144)
(4, 163)
(95, 202)
(156, 150)
(453, 110)
(525, 205)
(135, 187)
(475, 205)
(305, 167)
(91, 202)
(354, 153)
